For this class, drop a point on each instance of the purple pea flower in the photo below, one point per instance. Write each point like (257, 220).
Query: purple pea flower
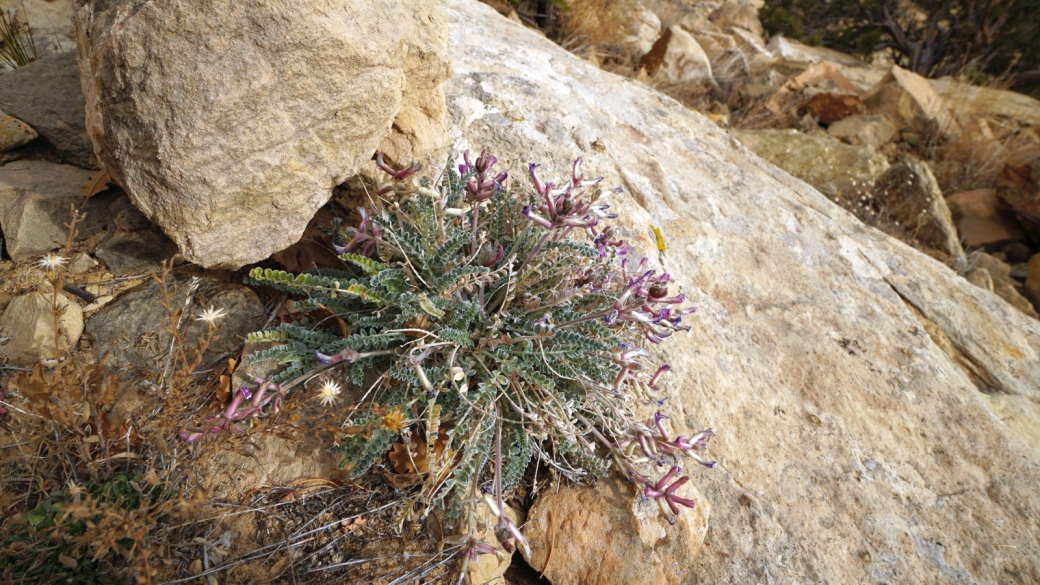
(664, 493)
(401, 175)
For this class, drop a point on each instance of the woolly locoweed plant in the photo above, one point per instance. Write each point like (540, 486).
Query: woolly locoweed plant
(499, 325)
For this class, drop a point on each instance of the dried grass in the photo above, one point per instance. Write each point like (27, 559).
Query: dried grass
(96, 488)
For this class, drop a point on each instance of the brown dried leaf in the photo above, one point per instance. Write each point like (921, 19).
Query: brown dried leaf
(348, 525)
(409, 460)
(97, 183)
(35, 387)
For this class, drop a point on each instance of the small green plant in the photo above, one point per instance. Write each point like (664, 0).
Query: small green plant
(84, 533)
(493, 327)
(17, 47)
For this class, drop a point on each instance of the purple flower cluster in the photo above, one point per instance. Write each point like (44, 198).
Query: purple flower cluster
(364, 237)
(238, 409)
(645, 301)
(399, 177)
(482, 185)
(568, 208)
(664, 492)
(657, 442)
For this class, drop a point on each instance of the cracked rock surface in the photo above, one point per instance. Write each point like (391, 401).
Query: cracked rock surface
(877, 413)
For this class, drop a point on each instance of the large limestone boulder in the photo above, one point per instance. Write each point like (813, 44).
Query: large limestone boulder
(877, 413)
(229, 124)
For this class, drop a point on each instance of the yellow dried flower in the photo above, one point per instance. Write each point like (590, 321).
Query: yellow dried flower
(394, 421)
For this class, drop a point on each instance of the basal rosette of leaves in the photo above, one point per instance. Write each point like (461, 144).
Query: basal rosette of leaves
(508, 324)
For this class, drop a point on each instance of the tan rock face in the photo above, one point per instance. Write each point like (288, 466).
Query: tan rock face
(912, 104)
(876, 412)
(677, 58)
(982, 218)
(229, 125)
(607, 534)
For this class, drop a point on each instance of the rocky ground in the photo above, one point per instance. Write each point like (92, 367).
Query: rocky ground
(863, 246)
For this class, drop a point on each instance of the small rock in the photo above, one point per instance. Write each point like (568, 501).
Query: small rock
(997, 268)
(131, 328)
(646, 28)
(981, 278)
(909, 102)
(1017, 253)
(14, 133)
(677, 58)
(732, 15)
(608, 534)
(842, 172)
(1032, 285)
(781, 109)
(758, 57)
(28, 322)
(909, 194)
(1019, 186)
(46, 95)
(974, 145)
(36, 201)
(135, 252)
(829, 107)
(791, 50)
(81, 263)
(1007, 291)
(870, 131)
(491, 568)
(248, 371)
(727, 61)
(983, 218)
